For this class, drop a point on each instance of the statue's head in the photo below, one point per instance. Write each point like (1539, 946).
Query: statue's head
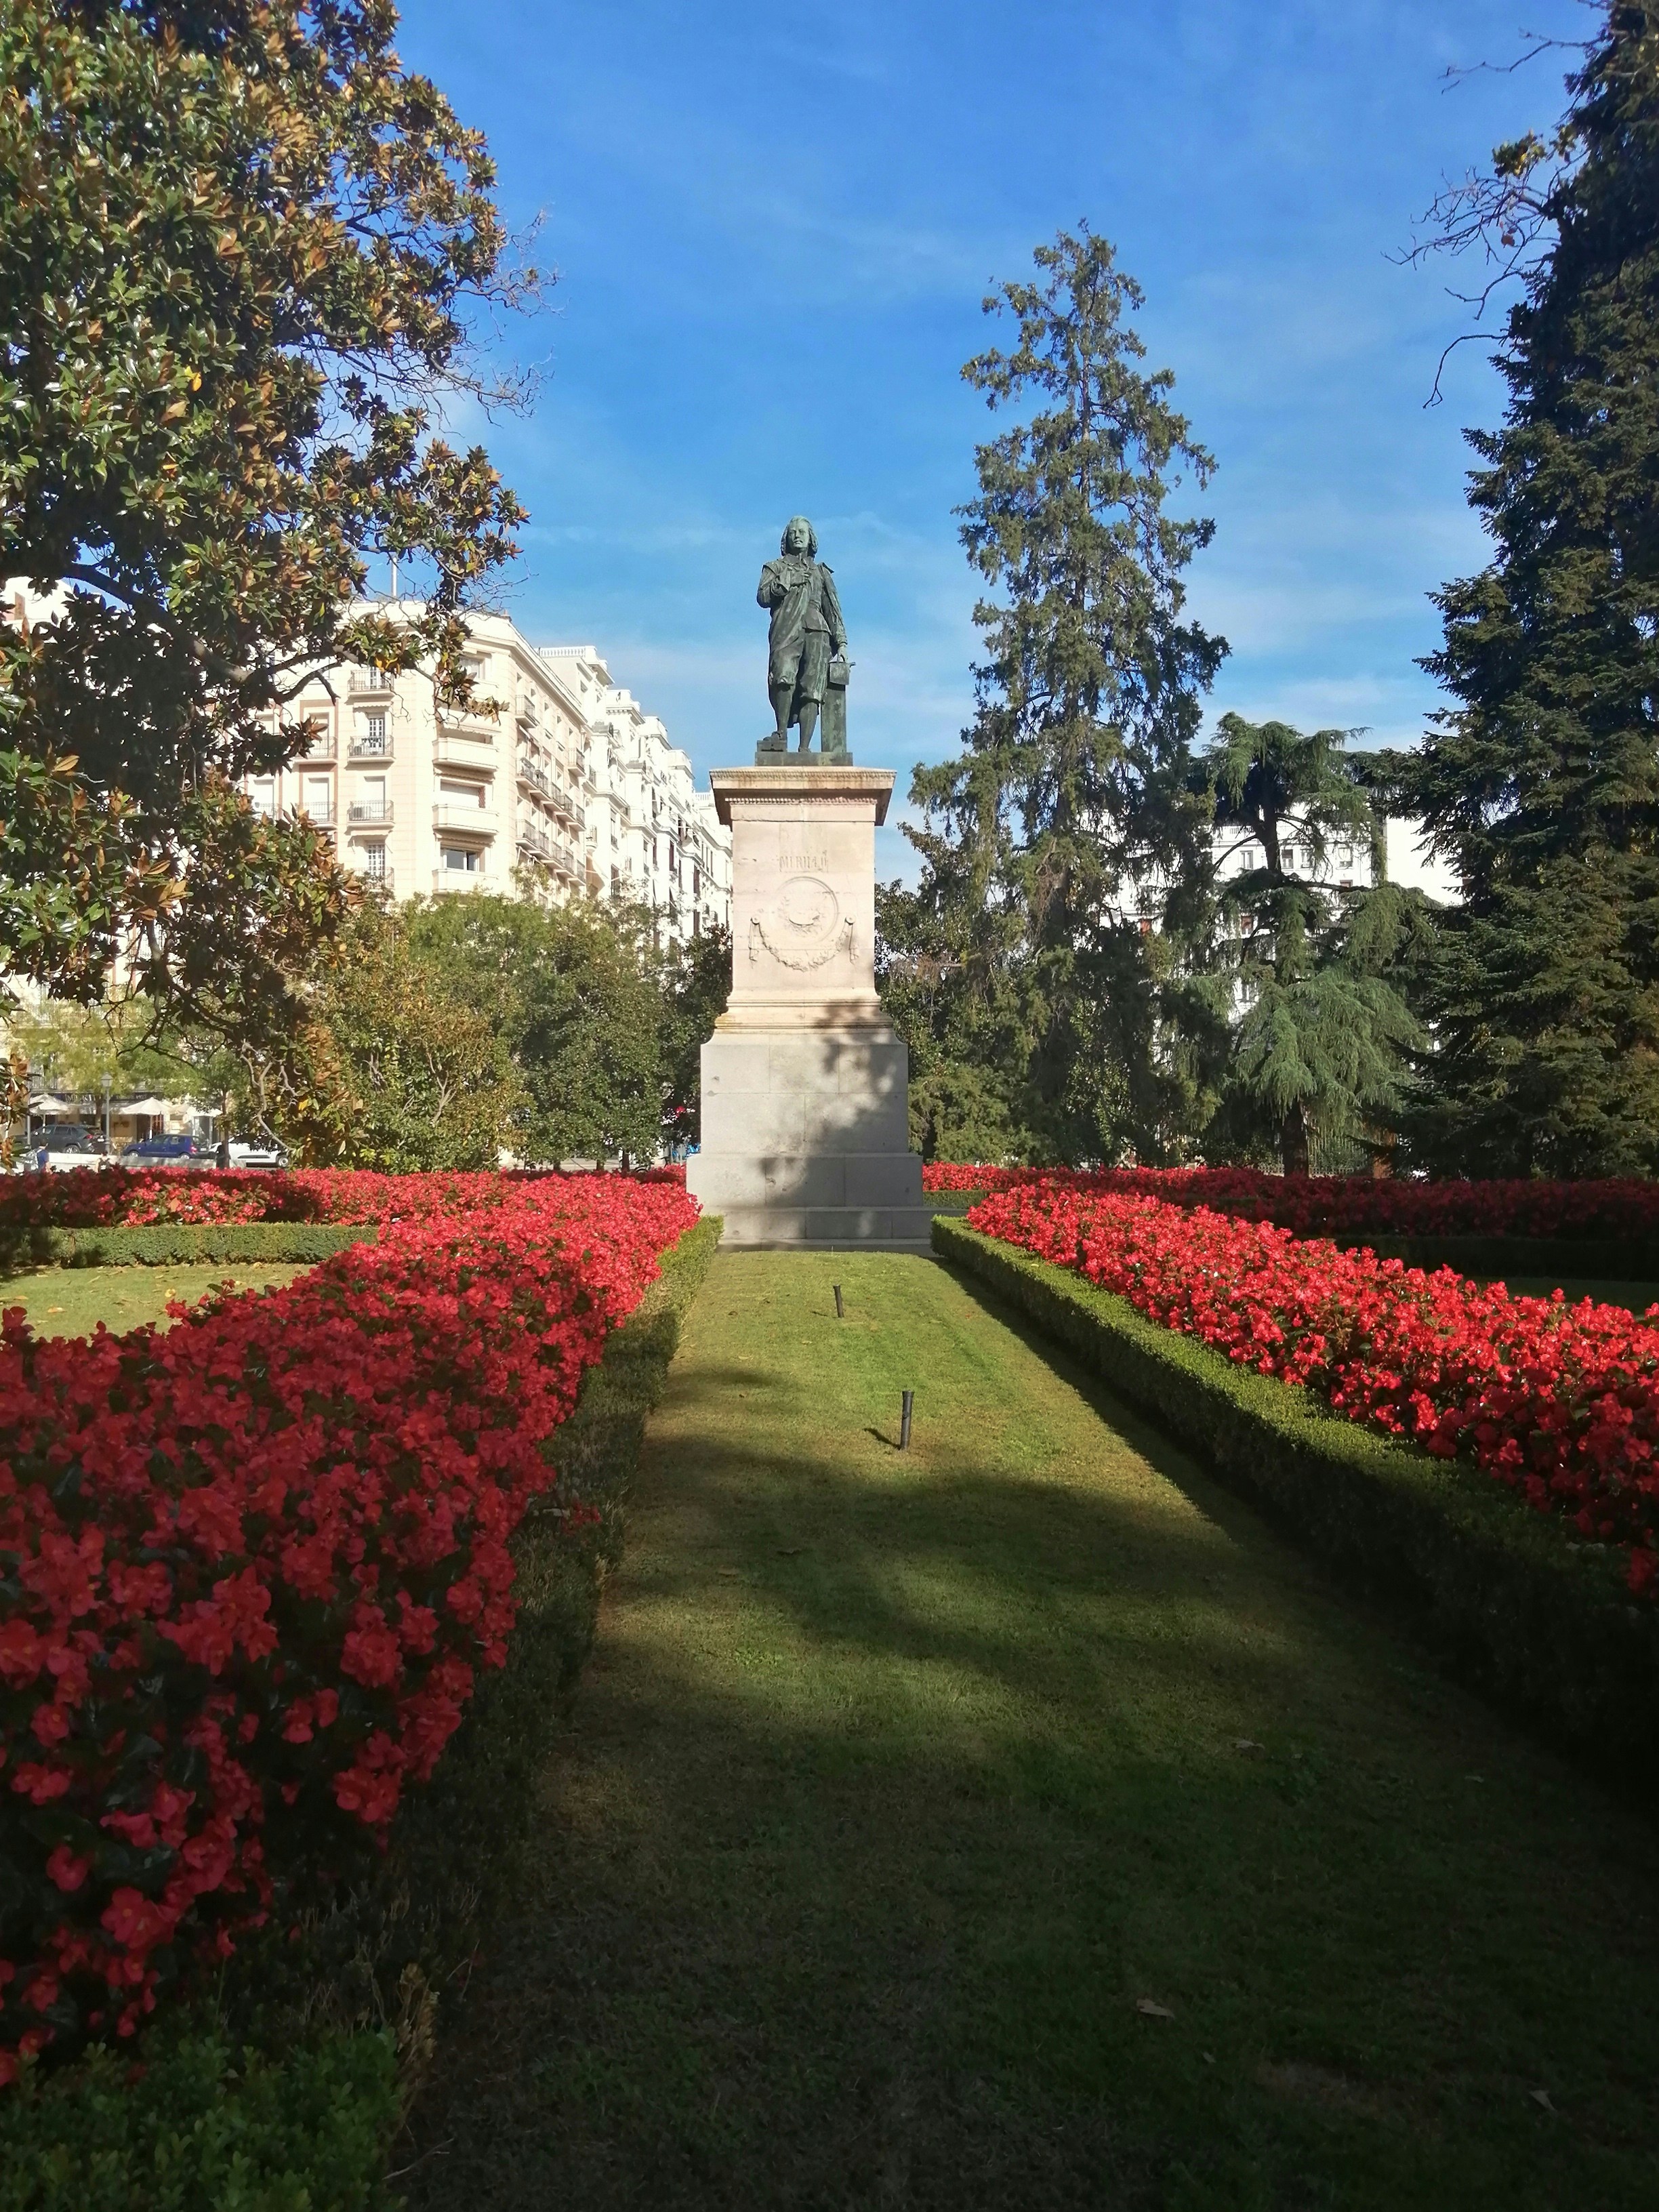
(800, 536)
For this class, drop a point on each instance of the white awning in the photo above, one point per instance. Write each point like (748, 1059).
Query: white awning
(150, 1105)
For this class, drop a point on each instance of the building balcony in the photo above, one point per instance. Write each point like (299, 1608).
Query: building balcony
(364, 744)
(464, 821)
(460, 879)
(539, 843)
(471, 749)
(321, 748)
(377, 880)
(363, 811)
(532, 778)
(369, 684)
(320, 815)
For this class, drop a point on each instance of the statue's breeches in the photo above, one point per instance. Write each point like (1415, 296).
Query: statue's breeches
(804, 664)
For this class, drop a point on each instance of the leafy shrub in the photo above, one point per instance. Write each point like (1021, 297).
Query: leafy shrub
(1546, 1626)
(1561, 1403)
(181, 1243)
(248, 1571)
(139, 1197)
(192, 2131)
(1344, 1205)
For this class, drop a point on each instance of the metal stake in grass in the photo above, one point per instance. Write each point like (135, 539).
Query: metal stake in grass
(908, 1399)
(840, 1308)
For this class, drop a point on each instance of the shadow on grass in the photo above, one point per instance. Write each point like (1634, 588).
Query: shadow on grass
(898, 1787)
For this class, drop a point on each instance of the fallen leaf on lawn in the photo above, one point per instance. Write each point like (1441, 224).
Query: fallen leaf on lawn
(54, 1309)
(1248, 1743)
(790, 1551)
(1153, 2009)
(1542, 2097)
(731, 1573)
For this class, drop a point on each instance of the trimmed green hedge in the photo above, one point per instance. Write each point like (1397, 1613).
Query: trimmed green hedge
(337, 2030)
(192, 2131)
(1543, 1624)
(179, 1243)
(454, 1864)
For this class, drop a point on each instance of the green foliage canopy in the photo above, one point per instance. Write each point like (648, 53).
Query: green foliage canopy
(1072, 777)
(240, 246)
(696, 983)
(571, 995)
(1543, 782)
(1318, 1032)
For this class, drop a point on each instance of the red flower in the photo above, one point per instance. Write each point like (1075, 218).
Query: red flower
(66, 1869)
(1560, 1403)
(225, 1528)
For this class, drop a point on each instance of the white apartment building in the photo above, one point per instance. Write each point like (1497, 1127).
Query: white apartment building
(570, 790)
(652, 838)
(1347, 863)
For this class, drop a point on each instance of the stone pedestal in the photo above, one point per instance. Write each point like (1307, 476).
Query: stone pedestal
(805, 1136)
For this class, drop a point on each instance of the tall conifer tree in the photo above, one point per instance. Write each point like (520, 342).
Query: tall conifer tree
(1073, 777)
(1543, 782)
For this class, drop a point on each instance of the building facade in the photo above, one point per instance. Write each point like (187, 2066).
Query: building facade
(570, 790)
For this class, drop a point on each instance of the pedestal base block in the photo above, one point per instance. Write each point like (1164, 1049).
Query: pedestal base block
(805, 1123)
(804, 1139)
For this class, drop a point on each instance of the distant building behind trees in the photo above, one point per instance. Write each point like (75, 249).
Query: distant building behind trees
(568, 790)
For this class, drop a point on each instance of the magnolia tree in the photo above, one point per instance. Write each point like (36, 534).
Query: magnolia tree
(241, 248)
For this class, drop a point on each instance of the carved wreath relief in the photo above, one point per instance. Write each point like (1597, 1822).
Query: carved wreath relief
(803, 927)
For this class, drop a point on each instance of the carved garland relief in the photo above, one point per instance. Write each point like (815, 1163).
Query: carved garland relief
(803, 927)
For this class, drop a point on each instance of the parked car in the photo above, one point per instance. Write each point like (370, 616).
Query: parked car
(246, 1152)
(176, 1152)
(66, 1145)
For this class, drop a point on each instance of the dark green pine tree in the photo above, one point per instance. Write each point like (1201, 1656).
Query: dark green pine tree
(1543, 782)
(1319, 1040)
(1073, 783)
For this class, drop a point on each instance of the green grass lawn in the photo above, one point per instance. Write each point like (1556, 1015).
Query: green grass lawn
(72, 1300)
(1017, 1823)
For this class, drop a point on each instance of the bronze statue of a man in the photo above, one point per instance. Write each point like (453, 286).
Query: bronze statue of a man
(807, 644)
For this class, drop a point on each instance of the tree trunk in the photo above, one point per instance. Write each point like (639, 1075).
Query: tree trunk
(1293, 1142)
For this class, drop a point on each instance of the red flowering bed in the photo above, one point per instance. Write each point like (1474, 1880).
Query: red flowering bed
(1354, 1205)
(249, 1567)
(1559, 1402)
(106, 1198)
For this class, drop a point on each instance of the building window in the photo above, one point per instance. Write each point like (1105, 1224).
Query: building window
(264, 796)
(374, 861)
(372, 733)
(453, 792)
(462, 859)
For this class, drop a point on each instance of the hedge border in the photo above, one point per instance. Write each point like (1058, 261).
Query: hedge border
(179, 1243)
(367, 1979)
(1544, 1627)
(1566, 1259)
(388, 1953)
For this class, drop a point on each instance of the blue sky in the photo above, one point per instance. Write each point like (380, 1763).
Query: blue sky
(773, 229)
